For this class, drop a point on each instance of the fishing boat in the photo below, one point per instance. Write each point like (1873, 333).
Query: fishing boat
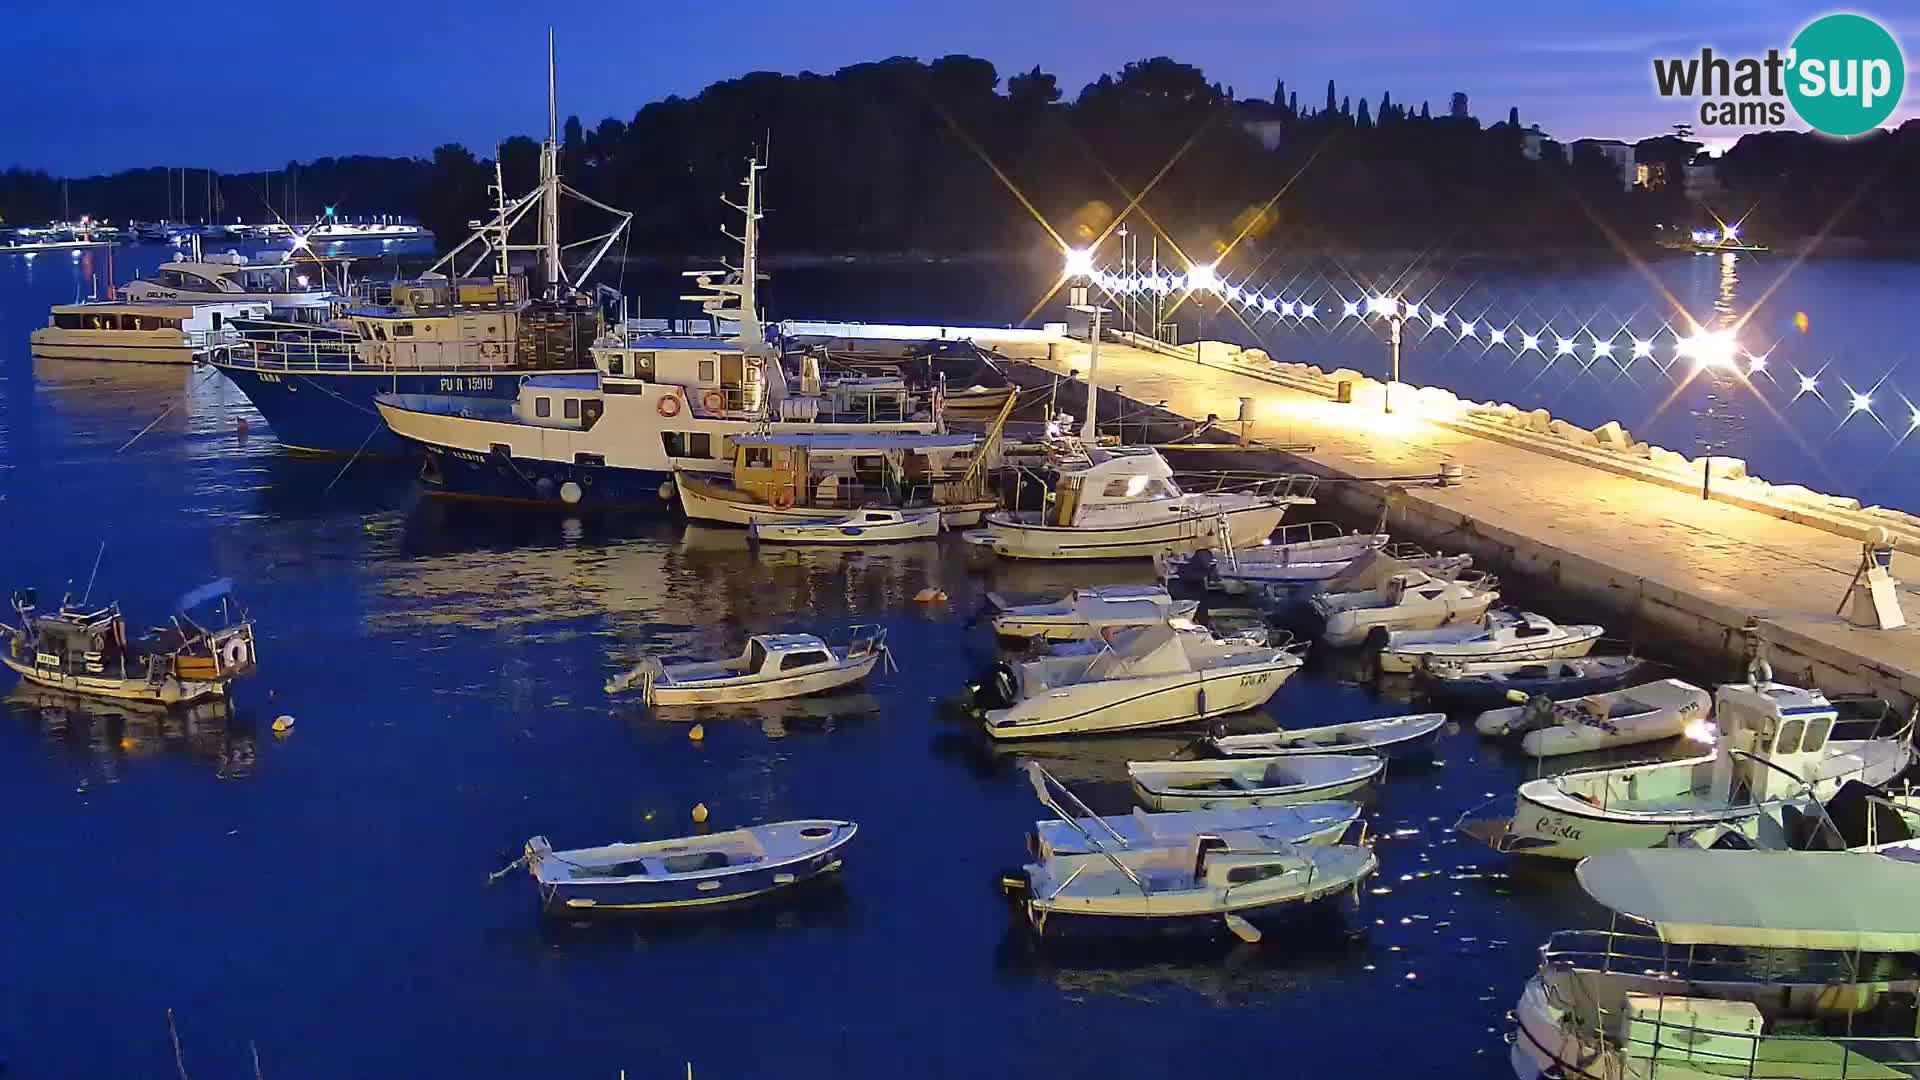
(687, 872)
(771, 667)
(1153, 676)
(80, 649)
(1646, 713)
(1265, 781)
(1412, 600)
(1729, 964)
(1205, 883)
(1308, 824)
(1389, 736)
(1089, 612)
(788, 478)
(140, 332)
(1123, 503)
(1486, 682)
(1502, 636)
(871, 526)
(1772, 743)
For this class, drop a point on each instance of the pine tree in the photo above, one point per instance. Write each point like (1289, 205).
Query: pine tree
(1366, 118)
(1280, 94)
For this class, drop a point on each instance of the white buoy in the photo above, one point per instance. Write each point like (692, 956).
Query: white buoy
(570, 493)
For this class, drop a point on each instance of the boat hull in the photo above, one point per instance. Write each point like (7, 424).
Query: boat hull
(1222, 800)
(925, 527)
(171, 691)
(466, 474)
(781, 688)
(1347, 627)
(1135, 704)
(156, 353)
(703, 507)
(671, 896)
(1181, 532)
(1413, 658)
(332, 412)
(1050, 921)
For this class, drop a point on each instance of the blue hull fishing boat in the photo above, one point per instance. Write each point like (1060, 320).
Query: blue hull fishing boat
(689, 872)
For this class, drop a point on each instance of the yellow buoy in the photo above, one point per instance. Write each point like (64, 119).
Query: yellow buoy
(930, 595)
(699, 813)
(282, 724)
(697, 732)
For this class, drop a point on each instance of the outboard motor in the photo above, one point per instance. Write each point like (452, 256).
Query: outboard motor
(995, 689)
(1200, 567)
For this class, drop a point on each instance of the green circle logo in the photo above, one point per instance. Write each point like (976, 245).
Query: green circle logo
(1845, 74)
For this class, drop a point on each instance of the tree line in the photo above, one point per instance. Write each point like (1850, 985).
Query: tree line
(947, 157)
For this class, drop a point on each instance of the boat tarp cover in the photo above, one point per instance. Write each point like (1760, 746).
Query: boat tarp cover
(1369, 571)
(1763, 899)
(1152, 650)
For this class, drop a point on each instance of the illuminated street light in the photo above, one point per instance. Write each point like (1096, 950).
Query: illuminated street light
(1079, 263)
(1602, 349)
(1349, 309)
(1382, 305)
(1862, 403)
(1529, 341)
(1642, 348)
(1756, 363)
(1496, 336)
(1306, 311)
(1563, 346)
(1287, 308)
(1413, 310)
(1469, 329)
(1706, 348)
(1203, 277)
(1809, 385)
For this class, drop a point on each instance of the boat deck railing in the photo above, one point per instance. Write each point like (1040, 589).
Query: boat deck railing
(1647, 956)
(302, 350)
(1300, 486)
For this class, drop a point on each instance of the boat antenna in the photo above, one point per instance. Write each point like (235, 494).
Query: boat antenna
(96, 572)
(550, 182)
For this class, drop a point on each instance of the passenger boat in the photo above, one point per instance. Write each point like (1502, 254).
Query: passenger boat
(790, 478)
(87, 650)
(1638, 714)
(1089, 612)
(1502, 636)
(1123, 503)
(335, 231)
(871, 526)
(1750, 964)
(1154, 676)
(293, 291)
(1389, 736)
(1266, 781)
(1487, 682)
(772, 667)
(1206, 882)
(150, 333)
(688, 872)
(1772, 744)
(1412, 600)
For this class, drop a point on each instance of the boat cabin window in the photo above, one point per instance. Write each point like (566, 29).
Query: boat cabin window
(570, 408)
(1526, 630)
(543, 407)
(709, 372)
(879, 517)
(643, 366)
(402, 329)
(70, 322)
(1816, 738)
(1137, 487)
(699, 444)
(803, 659)
(756, 656)
(1789, 740)
(616, 364)
(1241, 875)
(758, 457)
(215, 316)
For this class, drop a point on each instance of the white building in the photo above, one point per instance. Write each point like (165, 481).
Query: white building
(1619, 155)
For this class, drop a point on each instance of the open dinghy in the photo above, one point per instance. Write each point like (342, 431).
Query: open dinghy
(1087, 612)
(687, 872)
(1267, 781)
(874, 526)
(772, 667)
(1389, 736)
(1502, 636)
(1488, 682)
(1310, 824)
(1638, 714)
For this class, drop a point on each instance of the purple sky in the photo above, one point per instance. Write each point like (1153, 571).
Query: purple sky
(118, 84)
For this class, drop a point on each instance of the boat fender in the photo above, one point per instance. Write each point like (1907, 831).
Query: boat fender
(781, 498)
(669, 406)
(666, 491)
(1013, 883)
(699, 813)
(713, 401)
(570, 493)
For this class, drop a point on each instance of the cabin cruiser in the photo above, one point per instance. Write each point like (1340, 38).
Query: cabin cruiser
(796, 477)
(1729, 964)
(1503, 636)
(1123, 503)
(295, 292)
(1150, 677)
(1411, 600)
(1772, 744)
(151, 333)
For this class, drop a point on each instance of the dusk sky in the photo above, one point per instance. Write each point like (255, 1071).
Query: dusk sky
(238, 86)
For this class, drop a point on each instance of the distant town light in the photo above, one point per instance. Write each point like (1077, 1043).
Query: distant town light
(1529, 341)
(1809, 385)
(1306, 311)
(1563, 346)
(1469, 329)
(1602, 348)
(1349, 309)
(1862, 402)
(1497, 336)
(1642, 348)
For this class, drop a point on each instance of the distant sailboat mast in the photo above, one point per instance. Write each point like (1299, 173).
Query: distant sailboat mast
(550, 183)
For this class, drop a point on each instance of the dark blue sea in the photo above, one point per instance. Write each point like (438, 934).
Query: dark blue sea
(321, 896)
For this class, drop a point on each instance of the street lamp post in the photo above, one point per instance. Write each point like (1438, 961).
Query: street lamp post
(1393, 336)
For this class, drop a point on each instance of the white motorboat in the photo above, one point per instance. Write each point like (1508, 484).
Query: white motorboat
(1502, 636)
(152, 333)
(1388, 736)
(1268, 781)
(771, 668)
(1088, 612)
(1309, 824)
(1150, 677)
(1299, 554)
(1638, 714)
(1200, 881)
(1123, 503)
(1773, 745)
(874, 526)
(295, 292)
(1485, 682)
(1751, 964)
(1411, 600)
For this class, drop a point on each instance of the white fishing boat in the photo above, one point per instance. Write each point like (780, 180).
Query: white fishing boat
(1123, 503)
(772, 667)
(1088, 612)
(79, 649)
(138, 332)
(874, 526)
(1200, 883)
(1638, 714)
(1388, 736)
(1772, 744)
(1154, 676)
(1750, 964)
(707, 871)
(1268, 781)
(1412, 600)
(1308, 824)
(1502, 636)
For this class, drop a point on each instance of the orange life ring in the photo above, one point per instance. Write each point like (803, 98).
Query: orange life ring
(781, 498)
(669, 406)
(713, 401)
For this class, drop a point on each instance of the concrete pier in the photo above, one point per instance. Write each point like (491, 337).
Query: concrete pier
(1619, 532)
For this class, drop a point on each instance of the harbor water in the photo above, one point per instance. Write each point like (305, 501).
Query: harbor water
(322, 895)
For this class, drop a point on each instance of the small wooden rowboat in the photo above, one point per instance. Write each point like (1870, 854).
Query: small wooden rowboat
(772, 667)
(687, 872)
(1267, 781)
(1390, 736)
(876, 526)
(1311, 824)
